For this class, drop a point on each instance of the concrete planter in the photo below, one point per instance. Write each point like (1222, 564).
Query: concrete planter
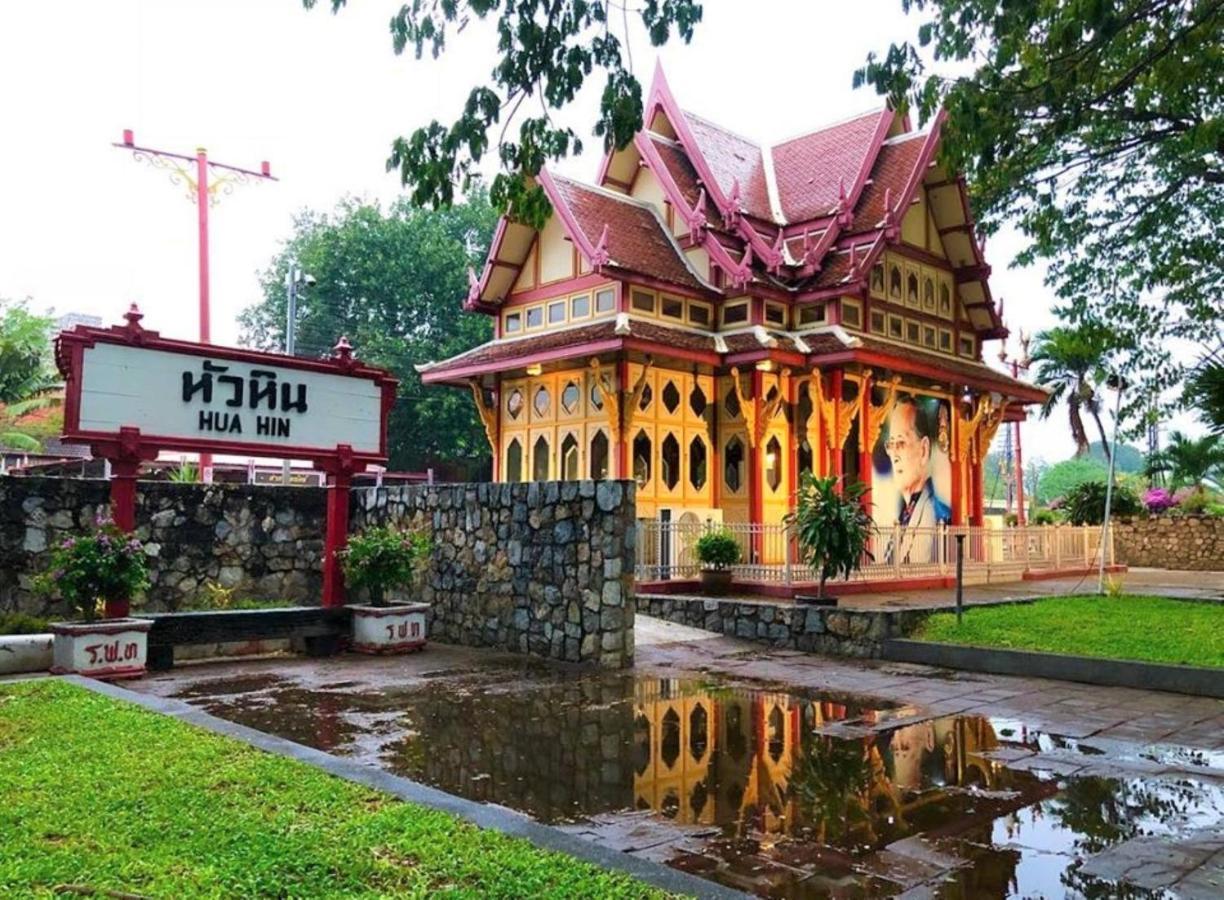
(716, 582)
(25, 653)
(399, 628)
(109, 649)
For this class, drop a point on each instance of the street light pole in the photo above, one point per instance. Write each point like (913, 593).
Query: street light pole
(204, 189)
(293, 279)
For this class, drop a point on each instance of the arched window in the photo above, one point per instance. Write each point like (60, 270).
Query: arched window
(773, 463)
(928, 295)
(599, 456)
(777, 733)
(894, 283)
(699, 732)
(569, 458)
(671, 397)
(669, 743)
(877, 279)
(570, 398)
(733, 469)
(697, 463)
(641, 459)
(731, 404)
(541, 401)
(514, 461)
(945, 301)
(669, 461)
(697, 400)
(911, 290)
(539, 459)
(514, 403)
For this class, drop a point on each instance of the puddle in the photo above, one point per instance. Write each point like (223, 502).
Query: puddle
(779, 793)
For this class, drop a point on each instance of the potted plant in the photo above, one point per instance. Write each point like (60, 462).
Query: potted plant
(382, 560)
(832, 528)
(717, 551)
(101, 572)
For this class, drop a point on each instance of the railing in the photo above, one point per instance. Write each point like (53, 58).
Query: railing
(667, 550)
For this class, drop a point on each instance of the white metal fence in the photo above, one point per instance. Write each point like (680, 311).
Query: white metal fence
(667, 550)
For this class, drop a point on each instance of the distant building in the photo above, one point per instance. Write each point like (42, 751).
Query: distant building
(72, 319)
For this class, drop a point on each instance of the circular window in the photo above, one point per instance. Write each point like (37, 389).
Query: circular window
(570, 397)
(541, 401)
(514, 403)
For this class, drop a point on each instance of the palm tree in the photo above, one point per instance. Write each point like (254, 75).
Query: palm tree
(1205, 390)
(1191, 462)
(1070, 365)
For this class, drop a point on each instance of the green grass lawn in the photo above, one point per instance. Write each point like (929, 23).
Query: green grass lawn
(1150, 629)
(105, 795)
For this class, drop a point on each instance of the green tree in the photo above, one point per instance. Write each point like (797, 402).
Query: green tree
(393, 282)
(546, 51)
(28, 380)
(1058, 480)
(832, 526)
(1189, 462)
(1068, 363)
(1205, 391)
(1097, 128)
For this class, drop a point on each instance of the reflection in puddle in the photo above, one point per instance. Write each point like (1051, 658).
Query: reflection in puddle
(782, 794)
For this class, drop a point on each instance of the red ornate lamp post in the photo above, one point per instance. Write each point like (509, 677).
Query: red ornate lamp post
(204, 188)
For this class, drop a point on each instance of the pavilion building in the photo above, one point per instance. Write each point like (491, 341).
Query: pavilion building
(714, 316)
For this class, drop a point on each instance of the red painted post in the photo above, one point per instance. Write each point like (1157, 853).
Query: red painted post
(756, 479)
(123, 512)
(338, 484)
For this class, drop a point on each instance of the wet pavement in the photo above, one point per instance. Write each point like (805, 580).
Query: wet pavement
(783, 774)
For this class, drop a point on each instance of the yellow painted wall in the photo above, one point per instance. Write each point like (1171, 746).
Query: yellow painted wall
(526, 278)
(556, 253)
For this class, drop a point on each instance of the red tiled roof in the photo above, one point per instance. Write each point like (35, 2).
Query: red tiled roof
(731, 158)
(891, 172)
(637, 240)
(809, 170)
(679, 167)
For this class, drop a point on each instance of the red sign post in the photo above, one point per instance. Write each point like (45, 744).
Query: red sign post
(132, 394)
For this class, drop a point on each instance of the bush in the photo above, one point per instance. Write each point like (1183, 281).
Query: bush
(106, 564)
(1045, 517)
(832, 527)
(1198, 503)
(1158, 500)
(383, 558)
(1085, 503)
(718, 549)
(20, 623)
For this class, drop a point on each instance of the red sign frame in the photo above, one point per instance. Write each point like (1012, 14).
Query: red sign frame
(127, 448)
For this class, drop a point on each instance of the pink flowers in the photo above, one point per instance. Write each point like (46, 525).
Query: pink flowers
(1158, 500)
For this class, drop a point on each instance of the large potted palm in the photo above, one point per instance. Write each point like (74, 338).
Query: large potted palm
(832, 528)
(104, 571)
(384, 561)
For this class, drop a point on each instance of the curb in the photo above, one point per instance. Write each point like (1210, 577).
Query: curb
(1194, 680)
(484, 816)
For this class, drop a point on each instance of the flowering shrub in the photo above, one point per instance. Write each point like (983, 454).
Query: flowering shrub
(384, 557)
(1158, 500)
(106, 564)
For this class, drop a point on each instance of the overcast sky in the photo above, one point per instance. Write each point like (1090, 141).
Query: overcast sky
(84, 228)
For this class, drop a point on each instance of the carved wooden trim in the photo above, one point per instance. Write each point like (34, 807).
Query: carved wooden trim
(966, 428)
(747, 409)
(635, 396)
(874, 416)
(986, 432)
(611, 400)
(488, 414)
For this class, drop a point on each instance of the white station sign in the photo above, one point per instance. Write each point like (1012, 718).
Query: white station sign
(187, 397)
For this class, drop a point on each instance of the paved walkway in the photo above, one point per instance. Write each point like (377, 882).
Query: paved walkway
(1132, 722)
(1158, 582)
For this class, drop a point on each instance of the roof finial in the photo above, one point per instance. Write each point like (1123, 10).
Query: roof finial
(778, 250)
(697, 217)
(890, 218)
(844, 213)
(600, 257)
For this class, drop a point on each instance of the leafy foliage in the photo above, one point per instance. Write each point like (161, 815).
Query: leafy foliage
(1096, 127)
(25, 352)
(832, 526)
(1069, 364)
(1085, 503)
(547, 50)
(1189, 462)
(146, 805)
(718, 549)
(1205, 391)
(20, 623)
(105, 564)
(1058, 480)
(393, 282)
(384, 558)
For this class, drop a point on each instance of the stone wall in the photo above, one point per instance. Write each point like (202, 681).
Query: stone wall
(541, 568)
(263, 541)
(813, 629)
(1171, 542)
(544, 568)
